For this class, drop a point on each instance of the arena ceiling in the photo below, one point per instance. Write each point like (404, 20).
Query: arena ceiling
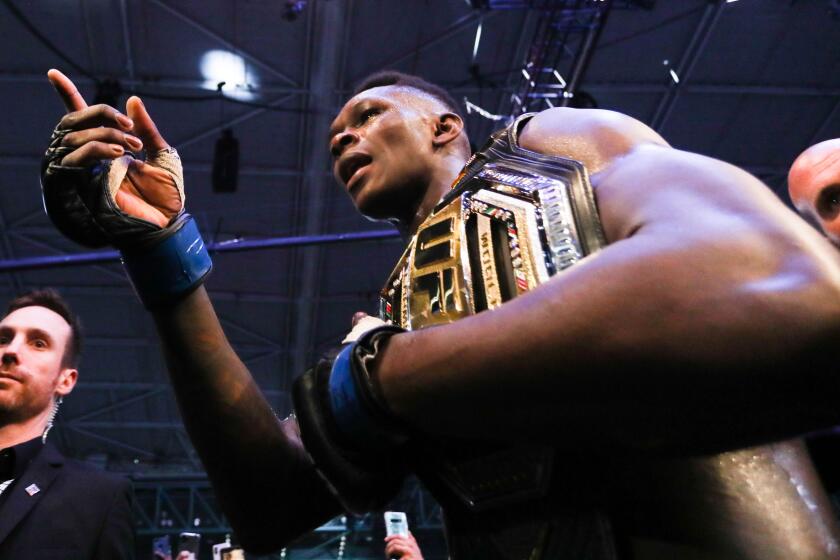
(752, 82)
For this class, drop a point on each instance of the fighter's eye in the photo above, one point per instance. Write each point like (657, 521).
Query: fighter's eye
(367, 115)
(828, 202)
(39, 343)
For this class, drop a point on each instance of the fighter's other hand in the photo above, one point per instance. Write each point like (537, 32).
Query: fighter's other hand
(358, 446)
(404, 548)
(95, 191)
(362, 323)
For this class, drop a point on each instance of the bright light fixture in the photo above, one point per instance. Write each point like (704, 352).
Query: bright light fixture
(224, 66)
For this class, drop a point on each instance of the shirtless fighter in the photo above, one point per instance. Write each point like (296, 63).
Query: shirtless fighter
(626, 392)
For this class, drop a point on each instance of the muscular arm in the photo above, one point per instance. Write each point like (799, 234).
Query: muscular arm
(683, 334)
(264, 479)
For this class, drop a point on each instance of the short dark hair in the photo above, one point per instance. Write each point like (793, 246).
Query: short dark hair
(53, 301)
(394, 78)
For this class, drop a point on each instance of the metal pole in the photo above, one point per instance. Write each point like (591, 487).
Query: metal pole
(79, 259)
(596, 26)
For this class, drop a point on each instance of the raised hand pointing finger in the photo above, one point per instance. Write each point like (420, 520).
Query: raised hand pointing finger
(73, 100)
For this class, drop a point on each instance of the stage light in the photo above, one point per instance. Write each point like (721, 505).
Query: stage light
(231, 70)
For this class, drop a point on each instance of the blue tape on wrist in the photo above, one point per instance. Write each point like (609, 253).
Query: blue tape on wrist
(353, 419)
(170, 269)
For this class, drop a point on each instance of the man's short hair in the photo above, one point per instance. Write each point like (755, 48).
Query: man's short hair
(53, 301)
(394, 78)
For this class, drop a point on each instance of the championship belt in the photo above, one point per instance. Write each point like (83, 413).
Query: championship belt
(513, 219)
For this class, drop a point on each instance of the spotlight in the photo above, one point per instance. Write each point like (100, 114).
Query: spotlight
(226, 163)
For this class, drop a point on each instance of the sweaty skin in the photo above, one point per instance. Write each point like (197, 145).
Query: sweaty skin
(704, 329)
(814, 186)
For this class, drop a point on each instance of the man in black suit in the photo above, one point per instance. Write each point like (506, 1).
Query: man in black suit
(50, 507)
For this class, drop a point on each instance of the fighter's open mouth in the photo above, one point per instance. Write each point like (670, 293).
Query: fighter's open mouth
(351, 163)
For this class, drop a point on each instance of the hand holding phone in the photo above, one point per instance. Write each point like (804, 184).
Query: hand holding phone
(399, 543)
(189, 542)
(396, 523)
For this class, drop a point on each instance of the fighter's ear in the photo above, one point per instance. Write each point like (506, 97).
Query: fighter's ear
(447, 128)
(67, 378)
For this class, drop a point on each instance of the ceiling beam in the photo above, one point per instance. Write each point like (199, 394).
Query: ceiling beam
(715, 89)
(15, 284)
(216, 295)
(121, 385)
(523, 46)
(192, 139)
(824, 128)
(126, 35)
(465, 22)
(591, 87)
(683, 69)
(324, 60)
(162, 389)
(257, 61)
(12, 160)
(109, 440)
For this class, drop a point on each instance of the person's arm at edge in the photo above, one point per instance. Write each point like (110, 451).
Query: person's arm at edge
(659, 341)
(263, 477)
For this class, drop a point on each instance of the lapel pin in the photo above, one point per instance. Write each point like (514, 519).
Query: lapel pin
(32, 489)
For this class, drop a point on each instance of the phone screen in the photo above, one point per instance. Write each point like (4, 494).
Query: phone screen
(396, 523)
(189, 542)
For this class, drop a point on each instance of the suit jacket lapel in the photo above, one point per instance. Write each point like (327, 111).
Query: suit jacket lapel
(42, 472)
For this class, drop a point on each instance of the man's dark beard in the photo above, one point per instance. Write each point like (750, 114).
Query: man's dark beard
(11, 413)
(7, 415)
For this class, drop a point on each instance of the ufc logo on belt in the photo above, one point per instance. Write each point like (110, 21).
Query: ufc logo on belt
(437, 292)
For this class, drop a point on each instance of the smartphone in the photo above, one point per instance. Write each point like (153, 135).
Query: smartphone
(189, 542)
(161, 548)
(396, 523)
(221, 548)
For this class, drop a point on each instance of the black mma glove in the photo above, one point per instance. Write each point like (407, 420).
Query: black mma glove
(356, 443)
(163, 263)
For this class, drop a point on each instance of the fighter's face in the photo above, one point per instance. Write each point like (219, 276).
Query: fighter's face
(814, 186)
(381, 142)
(32, 343)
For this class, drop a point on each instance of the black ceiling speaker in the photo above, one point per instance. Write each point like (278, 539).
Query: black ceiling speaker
(226, 162)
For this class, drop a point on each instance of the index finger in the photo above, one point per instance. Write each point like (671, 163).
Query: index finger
(66, 89)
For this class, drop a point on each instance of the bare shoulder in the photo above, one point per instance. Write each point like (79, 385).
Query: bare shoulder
(594, 137)
(641, 183)
(638, 178)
